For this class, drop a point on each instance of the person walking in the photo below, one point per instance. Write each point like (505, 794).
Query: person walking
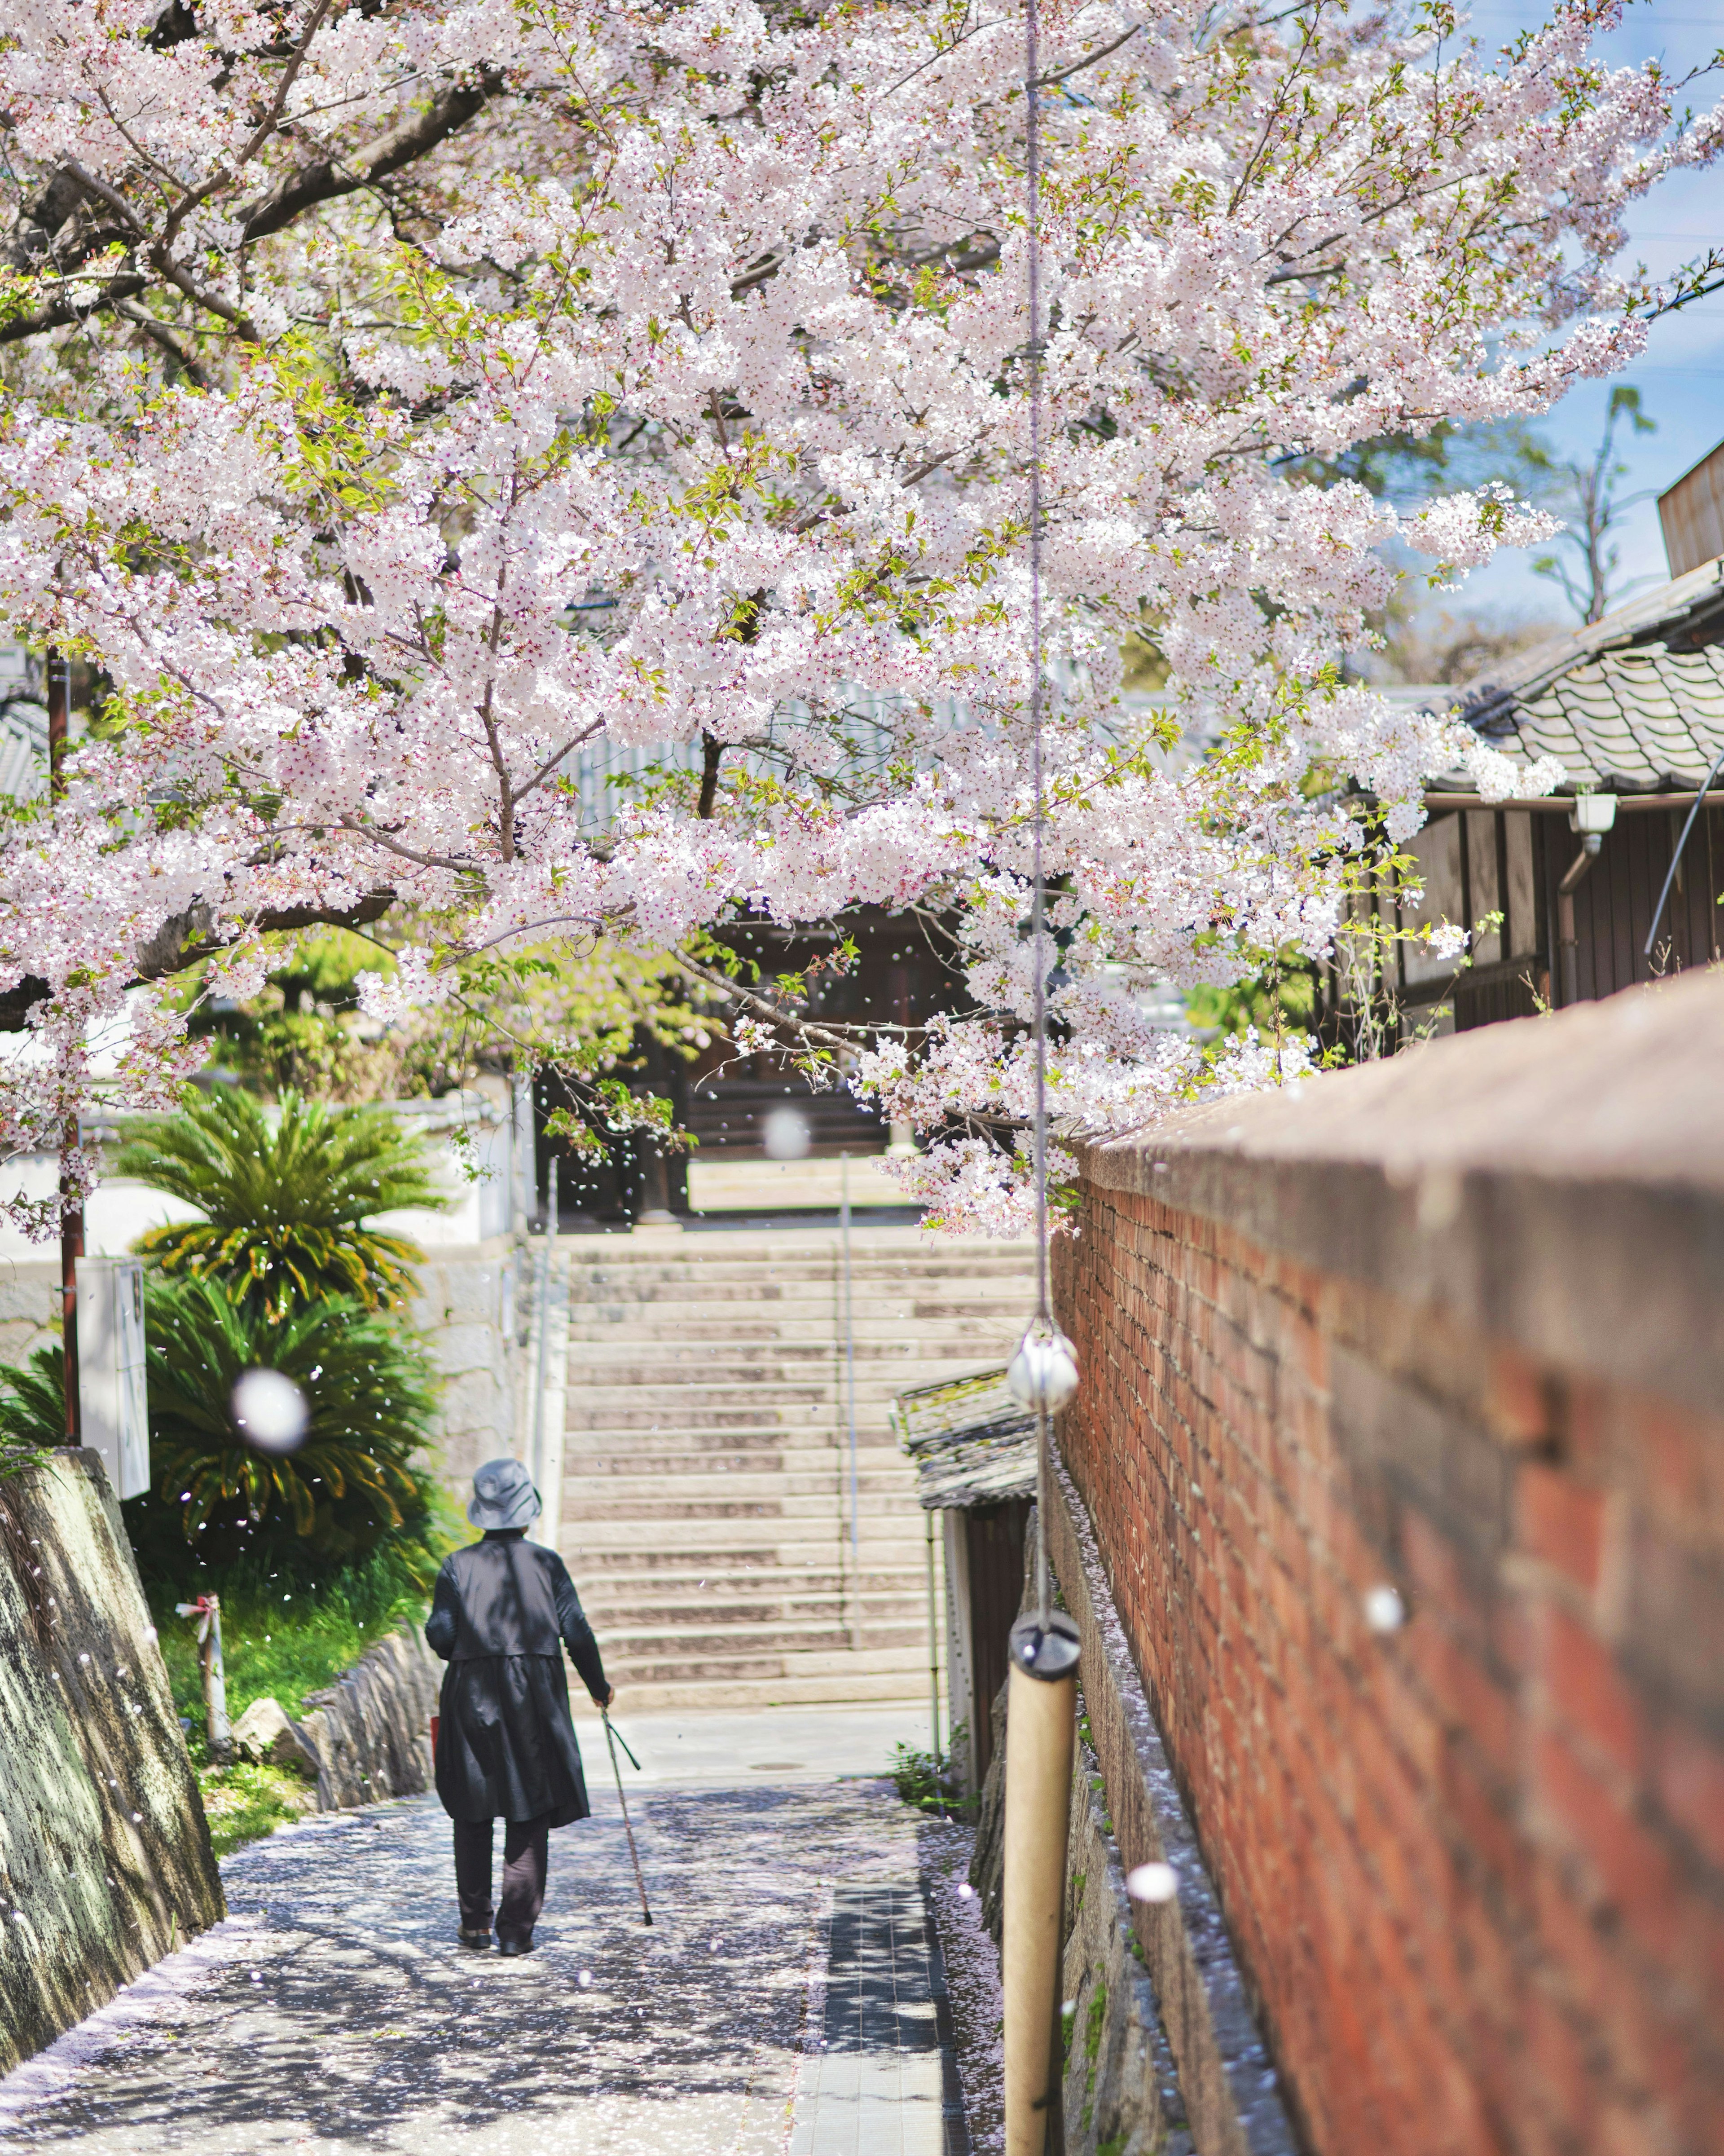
(502, 1611)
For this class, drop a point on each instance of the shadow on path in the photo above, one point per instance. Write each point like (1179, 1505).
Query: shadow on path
(337, 2013)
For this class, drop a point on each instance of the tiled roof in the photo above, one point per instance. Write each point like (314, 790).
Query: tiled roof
(1633, 703)
(1649, 721)
(971, 1442)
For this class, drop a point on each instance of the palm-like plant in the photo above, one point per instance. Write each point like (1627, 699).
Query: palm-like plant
(284, 1204)
(368, 1389)
(33, 1408)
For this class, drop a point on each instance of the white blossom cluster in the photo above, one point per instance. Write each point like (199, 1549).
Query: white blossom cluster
(399, 397)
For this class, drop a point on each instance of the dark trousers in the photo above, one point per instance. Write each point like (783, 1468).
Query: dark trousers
(524, 1847)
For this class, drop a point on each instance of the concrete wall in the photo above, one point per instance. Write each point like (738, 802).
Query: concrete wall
(474, 1310)
(462, 1131)
(469, 1311)
(104, 1858)
(1447, 1326)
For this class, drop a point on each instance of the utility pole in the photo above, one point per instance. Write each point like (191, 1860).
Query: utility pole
(59, 705)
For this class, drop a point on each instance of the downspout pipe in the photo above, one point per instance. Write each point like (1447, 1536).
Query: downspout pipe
(1592, 815)
(1567, 944)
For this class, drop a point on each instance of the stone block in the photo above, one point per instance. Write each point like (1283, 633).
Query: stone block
(266, 1733)
(371, 1730)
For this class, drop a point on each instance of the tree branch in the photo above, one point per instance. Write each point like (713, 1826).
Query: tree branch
(185, 938)
(330, 178)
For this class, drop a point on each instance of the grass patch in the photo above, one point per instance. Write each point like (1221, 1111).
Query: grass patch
(287, 1633)
(284, 1633)
(242, 1803)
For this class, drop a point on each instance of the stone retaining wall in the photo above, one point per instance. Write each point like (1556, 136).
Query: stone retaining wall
(1401, 1437)
(104, 1857)
(371, 1730)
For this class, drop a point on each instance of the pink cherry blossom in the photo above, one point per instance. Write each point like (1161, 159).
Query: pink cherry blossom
(406, 402)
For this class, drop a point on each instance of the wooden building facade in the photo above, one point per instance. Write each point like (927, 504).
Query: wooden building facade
(974, 1450)
(1633, 708)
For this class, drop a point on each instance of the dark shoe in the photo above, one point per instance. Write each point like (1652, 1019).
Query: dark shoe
(512, 1947)
(475, 1941)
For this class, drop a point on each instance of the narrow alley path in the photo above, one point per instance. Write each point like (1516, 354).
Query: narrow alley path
(785, 1998)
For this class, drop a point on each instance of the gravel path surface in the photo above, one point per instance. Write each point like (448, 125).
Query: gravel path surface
(334, 2011)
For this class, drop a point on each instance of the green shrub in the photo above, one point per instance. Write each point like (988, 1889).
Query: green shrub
(925, 1778)
(33, 1408)
(285, 1203)
(371, 1396)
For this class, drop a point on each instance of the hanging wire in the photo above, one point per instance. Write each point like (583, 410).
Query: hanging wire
(1032, 92)
(1044, 1315)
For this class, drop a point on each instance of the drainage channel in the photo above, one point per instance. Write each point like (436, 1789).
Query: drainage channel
(884, 2081)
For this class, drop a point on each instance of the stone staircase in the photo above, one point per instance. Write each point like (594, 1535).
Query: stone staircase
(706, 1498)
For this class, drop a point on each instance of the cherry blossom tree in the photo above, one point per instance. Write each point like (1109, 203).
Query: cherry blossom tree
(405, 398)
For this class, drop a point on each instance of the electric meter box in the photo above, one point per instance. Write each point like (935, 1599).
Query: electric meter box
(112, 1399)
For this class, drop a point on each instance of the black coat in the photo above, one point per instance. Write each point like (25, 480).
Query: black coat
(502, 1612)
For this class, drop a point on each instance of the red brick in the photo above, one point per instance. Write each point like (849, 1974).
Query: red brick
(1688, 1777)
(1472, 1869)
(1517, 1399)
(1682, 1462)
(1590, 1694)
(1632, 1870)
(1561, 1521)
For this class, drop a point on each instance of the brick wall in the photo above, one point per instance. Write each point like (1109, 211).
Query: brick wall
(1453, 1324)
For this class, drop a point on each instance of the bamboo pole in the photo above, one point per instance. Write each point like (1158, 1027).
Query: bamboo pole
(207, 1610)
(1041, 1728)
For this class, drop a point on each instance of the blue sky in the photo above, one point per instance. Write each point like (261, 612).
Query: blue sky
(1681, 378)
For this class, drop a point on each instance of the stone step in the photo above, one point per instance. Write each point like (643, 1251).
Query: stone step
(680, 1453)
(781, 1551)
(708, 1582)
(637, 1644)
(822, 1484)
(897, 1688)
(819, 1287)
(941, 1337)
(706, 1494)
(821, 1601)
(801, 1298)
(627, 1418)
(675, 1665)
(625, 1481)
(879, 1249)
(678, 1360)
(808, 1294)
(822, 1431)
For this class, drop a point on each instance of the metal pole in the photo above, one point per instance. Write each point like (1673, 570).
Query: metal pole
(933, 1645)
(544, 1358)
(612, 1740)
(71, 1249)
(850, 1387)
(1041, 1700)
(59, 712)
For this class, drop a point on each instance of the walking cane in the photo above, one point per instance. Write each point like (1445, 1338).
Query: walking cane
(612, 1740)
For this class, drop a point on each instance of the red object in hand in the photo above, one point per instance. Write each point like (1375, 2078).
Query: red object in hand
(435, 1720)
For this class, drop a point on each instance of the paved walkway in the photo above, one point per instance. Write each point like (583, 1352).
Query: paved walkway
(787, 1998)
